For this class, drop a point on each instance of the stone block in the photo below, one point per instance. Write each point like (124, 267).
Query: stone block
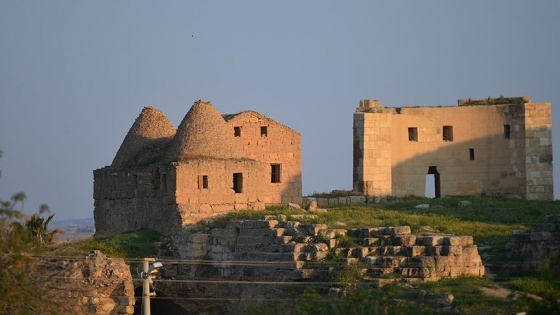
(362, 233)
(312, 205)
(242, 240)
(332, 243)
(333, 202)
(357, 199)
(258, 224)
(283, 239)
(369, 241)
(358, 252)
(433, 250)
(294, 206)
(303, 216)
(372, 260)
(322, 202)
(350, 261)
(400, 230)
(396, 250)
(404, 240)
(412, 251)
(451, 250)
(429, 240)
(383, 230)
(311, 229)
(261, 232)
(452, 240)
(331, 233)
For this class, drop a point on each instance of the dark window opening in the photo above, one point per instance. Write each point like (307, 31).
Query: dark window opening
(202, 181)
(264, 131)
(135, 181)
(432, 170)
(413, 134)
(447, 133)
(164, 181)
(471, 154)
(275, 171)
(238, 182)
(507, 131)
(237, 131)
(156, 179)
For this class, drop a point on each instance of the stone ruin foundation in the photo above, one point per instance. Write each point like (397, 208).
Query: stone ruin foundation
(538, 248)
(92, 285)
(289, 251)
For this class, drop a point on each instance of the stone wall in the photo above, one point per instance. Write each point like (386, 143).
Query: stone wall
(275, 144)
(385, 250)
(135, 198)
(538, 248)
(538, 155)
(497, 149)
(96, 285)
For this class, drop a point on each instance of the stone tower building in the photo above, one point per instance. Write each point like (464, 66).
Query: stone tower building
(494, 146)
(165, 179)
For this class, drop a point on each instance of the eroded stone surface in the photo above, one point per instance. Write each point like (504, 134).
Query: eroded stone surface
(539, 247)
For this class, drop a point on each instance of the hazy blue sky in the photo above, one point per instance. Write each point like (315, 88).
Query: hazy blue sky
(74, 74)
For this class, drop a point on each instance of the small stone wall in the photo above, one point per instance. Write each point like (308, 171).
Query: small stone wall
(385, 250)
(540, 247)
(336, 201)
(96, 285)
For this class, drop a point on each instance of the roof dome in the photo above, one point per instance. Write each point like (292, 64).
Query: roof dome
(203, 133)
(151, 128)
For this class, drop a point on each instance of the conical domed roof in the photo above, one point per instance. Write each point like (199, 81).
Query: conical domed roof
(149, 129)
(203, 133)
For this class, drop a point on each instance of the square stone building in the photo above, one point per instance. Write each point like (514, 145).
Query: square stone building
(494, 146)
(164, 178)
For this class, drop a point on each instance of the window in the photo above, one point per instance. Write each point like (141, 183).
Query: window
(164, 181)
(447, 133)
(237, 131)
(471, 154)
(135, 181)
(275, 171)
(264, 131)
(413, 134)
(507, 131)
(156, 181)
(202, 181)
(238, 182)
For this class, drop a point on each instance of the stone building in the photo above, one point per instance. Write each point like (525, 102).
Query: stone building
(494, 146)
(164, 178)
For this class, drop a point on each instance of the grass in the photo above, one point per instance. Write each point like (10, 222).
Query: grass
(133, 244)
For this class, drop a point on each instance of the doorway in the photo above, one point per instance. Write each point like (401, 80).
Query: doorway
(432, 189)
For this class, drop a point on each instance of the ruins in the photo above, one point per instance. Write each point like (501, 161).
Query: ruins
(164, 178)
(496, 146)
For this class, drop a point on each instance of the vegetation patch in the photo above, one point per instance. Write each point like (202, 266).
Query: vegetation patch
(133, 244)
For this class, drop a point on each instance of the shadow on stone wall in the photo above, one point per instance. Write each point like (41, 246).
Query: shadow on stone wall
(493, 165)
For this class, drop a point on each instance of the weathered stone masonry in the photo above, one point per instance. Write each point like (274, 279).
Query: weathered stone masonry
(495, 146)
(165, 179)
(387, 250)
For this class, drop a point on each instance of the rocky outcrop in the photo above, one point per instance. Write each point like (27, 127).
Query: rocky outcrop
(94, 285)
(540, 247)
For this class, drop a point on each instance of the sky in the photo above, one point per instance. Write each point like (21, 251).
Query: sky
(74, 75)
